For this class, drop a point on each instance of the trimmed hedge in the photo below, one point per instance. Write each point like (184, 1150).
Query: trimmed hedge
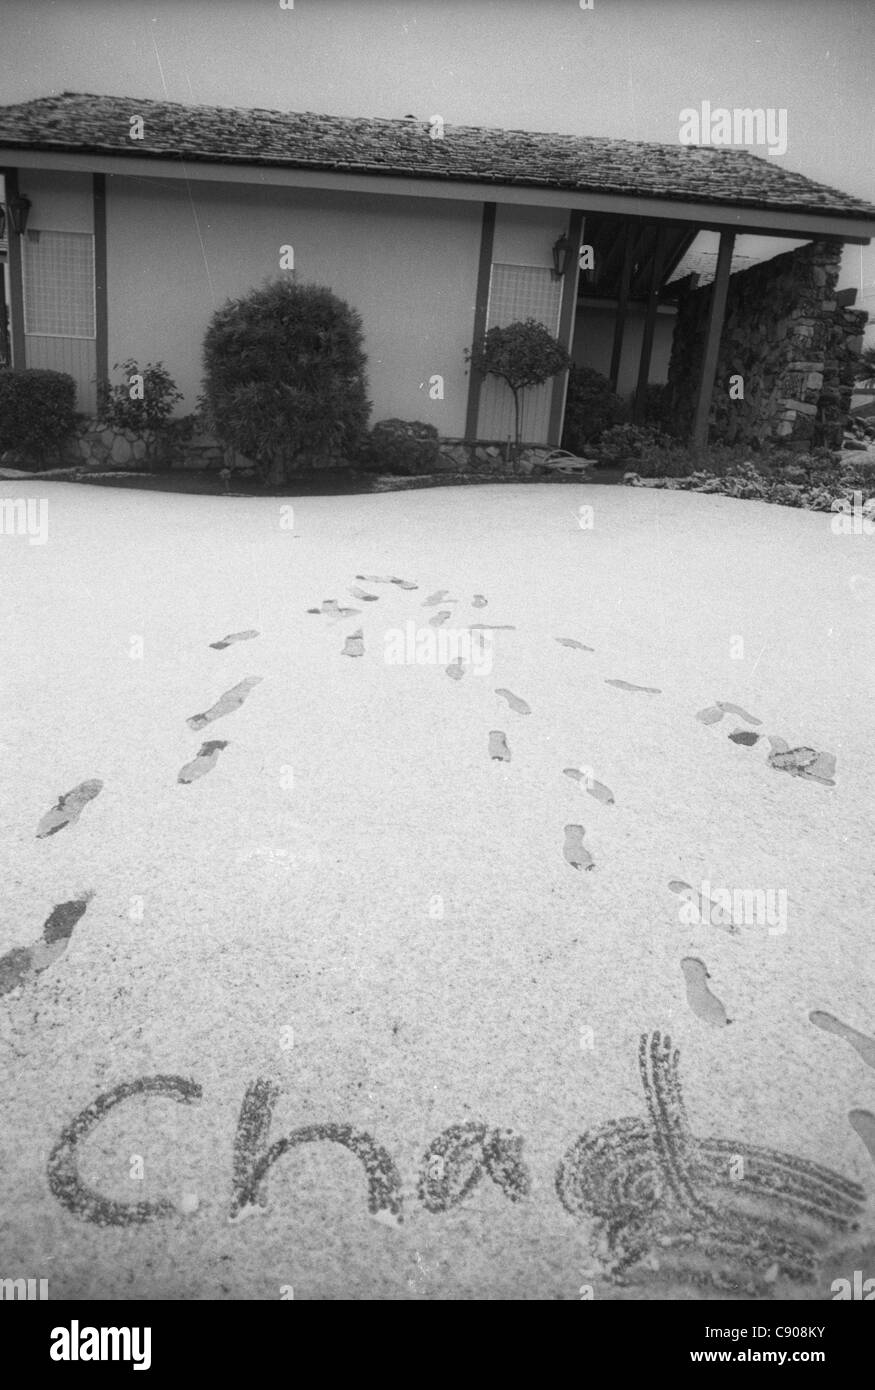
(37, 412)
(402, 446)
(285, 376)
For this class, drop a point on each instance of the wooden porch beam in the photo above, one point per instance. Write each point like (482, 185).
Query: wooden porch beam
(713, 330)
(567, 320)
(481, 305)
(16, 289)
(622, 304)
(650, 325)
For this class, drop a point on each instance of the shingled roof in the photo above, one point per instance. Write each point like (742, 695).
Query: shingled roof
(80, 123)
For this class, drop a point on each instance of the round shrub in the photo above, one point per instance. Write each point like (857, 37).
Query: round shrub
(590, 407)
(622, 442)
(285, 376)
(402, 446)
(37, 412)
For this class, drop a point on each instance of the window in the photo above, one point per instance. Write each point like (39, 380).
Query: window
(58, 274)
(524, 292)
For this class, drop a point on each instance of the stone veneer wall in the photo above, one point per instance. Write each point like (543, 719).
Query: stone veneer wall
(794, 346)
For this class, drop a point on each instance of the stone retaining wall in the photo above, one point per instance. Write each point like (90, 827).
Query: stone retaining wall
(788, 339)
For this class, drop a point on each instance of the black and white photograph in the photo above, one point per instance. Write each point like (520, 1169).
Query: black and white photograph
(437, 538)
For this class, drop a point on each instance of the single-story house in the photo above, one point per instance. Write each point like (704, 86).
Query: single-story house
(130, 220)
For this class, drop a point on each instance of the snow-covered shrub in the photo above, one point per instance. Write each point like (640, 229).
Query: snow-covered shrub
(285, 376)
(402, 446)
(37, 412)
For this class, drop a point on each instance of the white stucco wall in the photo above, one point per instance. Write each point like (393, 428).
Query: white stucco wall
(408, 265)
(61, 201)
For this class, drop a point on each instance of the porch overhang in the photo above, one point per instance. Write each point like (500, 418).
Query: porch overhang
(704, 215)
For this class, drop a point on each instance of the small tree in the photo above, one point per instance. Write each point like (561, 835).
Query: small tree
(144, 400)
(285, 375)
(522, 355)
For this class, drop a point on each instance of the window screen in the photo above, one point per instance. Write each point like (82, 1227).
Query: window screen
(58, 272)
(524, 292)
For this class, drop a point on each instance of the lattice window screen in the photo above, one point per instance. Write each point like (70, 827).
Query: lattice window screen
(519, 292)
(58, 273)
(523, 292)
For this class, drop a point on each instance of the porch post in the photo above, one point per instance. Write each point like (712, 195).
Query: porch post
(622, 302)
(567, 320)
(98, 195)
(716, 311)
(481, 305)
(16, 293)
(650, 323)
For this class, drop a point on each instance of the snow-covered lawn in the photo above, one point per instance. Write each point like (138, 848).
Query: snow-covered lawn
(359, 906)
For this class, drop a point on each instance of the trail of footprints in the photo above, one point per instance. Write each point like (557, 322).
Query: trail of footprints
(20, 965)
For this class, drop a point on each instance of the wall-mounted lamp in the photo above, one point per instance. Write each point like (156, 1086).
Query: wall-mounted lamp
(561, 254)
(18, 207)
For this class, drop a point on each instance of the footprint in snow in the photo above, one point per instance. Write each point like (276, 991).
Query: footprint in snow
(517, 705)
(712, 715)
(234, 637)
(727, 708)
(746, 737)
(386, 579)
(575, 853)
(204, 762)
(456, 669)
(703, 911)
(703, 1003)
(821, 770)
(354, 645)
(331, 609)
(435, 598)
(793, 760)
(572, 642)
(363, 594)
(596, 789)
(863, 1124)
(21, 963)
(626, 685)
(226, 704)
(802, 762)
(498, 746)
(860, 1042)
(478, 601)
(69, 807)
(439, 618)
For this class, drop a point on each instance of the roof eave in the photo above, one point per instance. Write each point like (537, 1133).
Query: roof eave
(742, 217)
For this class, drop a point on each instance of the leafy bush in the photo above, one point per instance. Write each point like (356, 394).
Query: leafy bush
(37, 411)
(590, 407)
(630, 442)
(144, 401)
(285, 376)
(402, 446)
(522, 355)
(656, 411)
